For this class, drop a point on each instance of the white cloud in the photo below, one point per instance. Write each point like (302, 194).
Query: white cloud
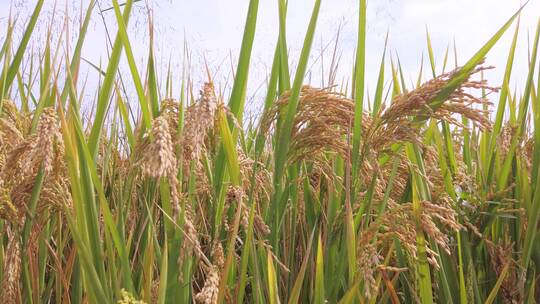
(213, 30)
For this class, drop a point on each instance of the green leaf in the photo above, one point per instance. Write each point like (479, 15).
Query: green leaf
(319, 275)
(360, 62)
(107, 85)
(290, 111)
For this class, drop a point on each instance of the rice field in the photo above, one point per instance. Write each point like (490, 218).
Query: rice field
(424, 193)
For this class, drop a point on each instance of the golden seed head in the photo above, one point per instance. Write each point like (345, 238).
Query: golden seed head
(368, 261)
(158, 158)
(42, 146)
(218, 255)
(199, 121)
(12, 270)
(209, 293)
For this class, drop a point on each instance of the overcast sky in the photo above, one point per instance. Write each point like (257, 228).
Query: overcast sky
(213, 30)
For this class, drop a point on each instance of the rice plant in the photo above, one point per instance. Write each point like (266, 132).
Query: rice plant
(427, 193)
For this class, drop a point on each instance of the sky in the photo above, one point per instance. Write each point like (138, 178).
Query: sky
(212, 30)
